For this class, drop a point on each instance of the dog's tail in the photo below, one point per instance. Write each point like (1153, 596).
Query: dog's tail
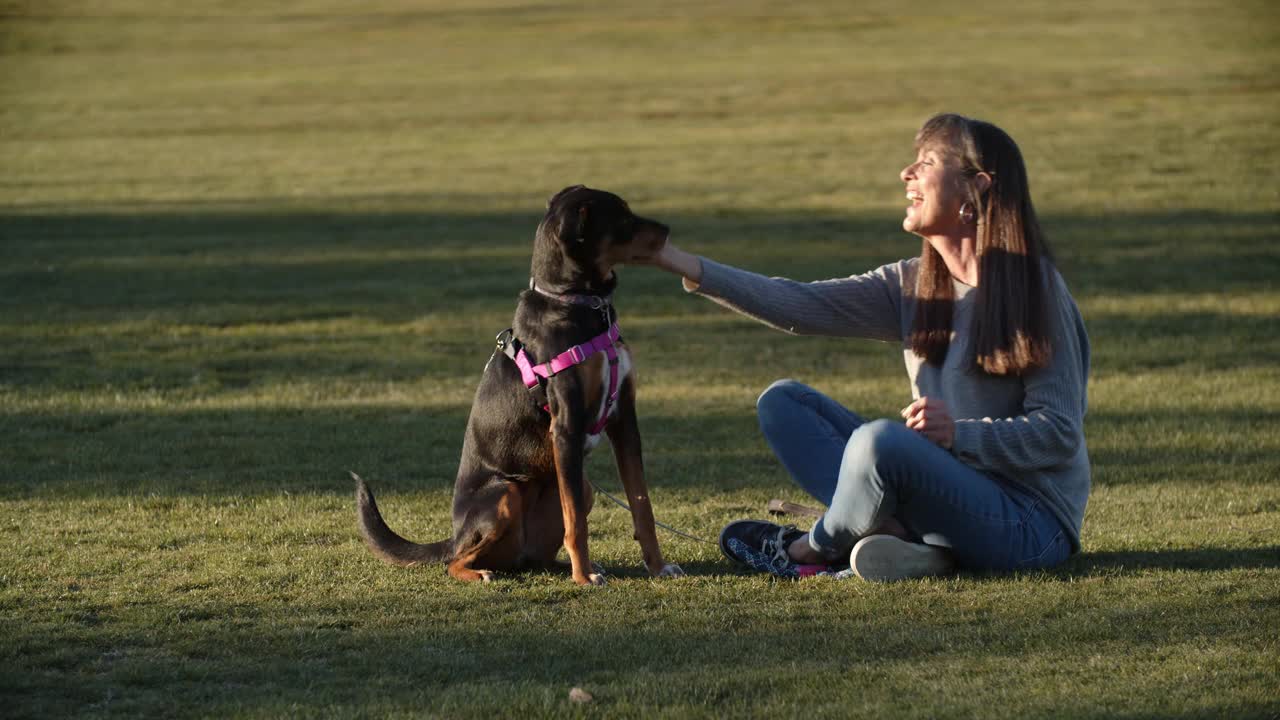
(385, 543)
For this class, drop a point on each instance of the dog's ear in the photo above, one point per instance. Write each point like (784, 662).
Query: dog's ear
(573, 223)
(583, 214)
(569, 215)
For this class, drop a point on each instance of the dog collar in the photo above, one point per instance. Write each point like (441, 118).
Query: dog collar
(595, 302)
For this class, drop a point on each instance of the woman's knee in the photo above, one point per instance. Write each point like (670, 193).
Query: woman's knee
(878, 443)
(784, 390)
(870, 456)
(779, 399)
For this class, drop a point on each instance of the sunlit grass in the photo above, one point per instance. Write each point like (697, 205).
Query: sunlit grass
(245, 249)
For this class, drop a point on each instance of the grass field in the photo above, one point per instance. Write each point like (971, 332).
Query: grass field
(246, 247)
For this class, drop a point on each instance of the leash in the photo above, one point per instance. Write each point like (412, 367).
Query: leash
(664, 526)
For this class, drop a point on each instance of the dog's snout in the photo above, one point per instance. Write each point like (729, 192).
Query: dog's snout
(650, 238)
(652, 228)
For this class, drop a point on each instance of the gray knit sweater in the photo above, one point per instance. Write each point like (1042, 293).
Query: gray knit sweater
(1028, 430)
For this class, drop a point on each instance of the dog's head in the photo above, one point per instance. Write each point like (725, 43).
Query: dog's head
(593, 230)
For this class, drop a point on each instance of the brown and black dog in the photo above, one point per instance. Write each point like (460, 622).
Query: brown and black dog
(521, 493)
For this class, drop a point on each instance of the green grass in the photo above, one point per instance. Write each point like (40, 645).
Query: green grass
(246, 247)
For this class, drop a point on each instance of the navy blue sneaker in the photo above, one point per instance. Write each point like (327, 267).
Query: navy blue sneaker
(761, 546)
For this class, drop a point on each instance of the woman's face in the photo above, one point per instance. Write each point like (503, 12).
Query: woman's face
(935, 190)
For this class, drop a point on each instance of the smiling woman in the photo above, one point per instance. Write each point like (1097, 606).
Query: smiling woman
(955, 176)
(990, 470)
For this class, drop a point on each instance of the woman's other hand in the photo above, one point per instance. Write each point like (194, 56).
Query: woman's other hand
(929, 417)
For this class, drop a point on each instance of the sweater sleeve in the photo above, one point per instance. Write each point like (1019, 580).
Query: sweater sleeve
(866, 306)
(1051, 430)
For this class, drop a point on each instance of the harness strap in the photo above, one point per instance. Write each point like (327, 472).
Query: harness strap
(535, 376)
(612, 353)
(514, 349)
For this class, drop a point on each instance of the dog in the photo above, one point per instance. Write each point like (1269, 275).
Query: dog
(520, 493)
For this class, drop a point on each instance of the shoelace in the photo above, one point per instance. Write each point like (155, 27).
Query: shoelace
(776, 548)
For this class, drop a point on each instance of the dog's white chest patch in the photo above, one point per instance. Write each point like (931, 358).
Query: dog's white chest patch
(624, 369)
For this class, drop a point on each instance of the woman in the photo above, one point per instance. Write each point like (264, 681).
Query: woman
(989, 471)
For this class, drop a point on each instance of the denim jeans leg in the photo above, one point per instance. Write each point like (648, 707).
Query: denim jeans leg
(808, 432)
(889, 470)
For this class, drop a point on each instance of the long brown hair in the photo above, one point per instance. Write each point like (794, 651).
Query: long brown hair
(1010, 333)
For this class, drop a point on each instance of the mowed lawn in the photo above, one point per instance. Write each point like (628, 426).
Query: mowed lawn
(247, 247)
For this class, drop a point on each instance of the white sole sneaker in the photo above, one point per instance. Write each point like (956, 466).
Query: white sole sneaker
(885, 558)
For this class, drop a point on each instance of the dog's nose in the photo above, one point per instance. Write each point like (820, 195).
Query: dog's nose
(655, 227)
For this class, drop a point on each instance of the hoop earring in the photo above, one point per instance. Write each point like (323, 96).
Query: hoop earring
(967, 214)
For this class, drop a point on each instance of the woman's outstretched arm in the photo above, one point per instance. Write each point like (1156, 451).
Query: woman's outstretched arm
(867, 305)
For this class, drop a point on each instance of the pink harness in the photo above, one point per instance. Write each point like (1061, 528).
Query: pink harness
(536, 376)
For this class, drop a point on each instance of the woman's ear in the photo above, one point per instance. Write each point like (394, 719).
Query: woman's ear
(983, 182)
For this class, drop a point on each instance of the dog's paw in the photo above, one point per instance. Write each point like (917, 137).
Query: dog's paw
(670, 570)
(486, 575)
(596, 580)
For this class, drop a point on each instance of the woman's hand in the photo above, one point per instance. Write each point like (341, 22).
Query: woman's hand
(674, 260)
(929, 417)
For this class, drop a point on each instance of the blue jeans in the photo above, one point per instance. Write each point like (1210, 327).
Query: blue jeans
(865, 472)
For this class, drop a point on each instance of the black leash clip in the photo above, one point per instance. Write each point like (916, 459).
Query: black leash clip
(504, 338)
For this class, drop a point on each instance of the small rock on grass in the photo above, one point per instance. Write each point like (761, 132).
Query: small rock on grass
(579, 695)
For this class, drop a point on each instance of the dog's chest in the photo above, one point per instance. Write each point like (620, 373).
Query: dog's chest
(624, 369)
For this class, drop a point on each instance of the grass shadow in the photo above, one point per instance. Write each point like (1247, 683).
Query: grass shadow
(392, 263)
(179, 451)
(260, 452)
(208, 300)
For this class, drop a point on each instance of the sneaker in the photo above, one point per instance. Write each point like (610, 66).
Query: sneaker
(761, 546)
(885, 558)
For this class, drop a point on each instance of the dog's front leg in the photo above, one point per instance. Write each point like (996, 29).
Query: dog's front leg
(624, 436)
(567, 442)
